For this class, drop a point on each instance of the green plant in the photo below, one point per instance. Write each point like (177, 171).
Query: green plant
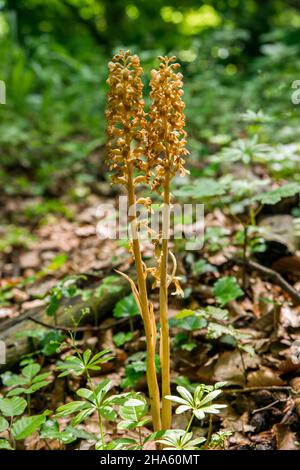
(126, 308)
(83, 363)
(178, 439)
(95, 399)
(136, 368)
(226, 289)
(199, 404)
(27, 383)
(21, 428)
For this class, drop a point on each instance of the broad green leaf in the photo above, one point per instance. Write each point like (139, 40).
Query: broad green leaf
(108, 413)
(126, 307)
(72, 407)
(31, 370)
(5, 445)
(24, 427)
(122, 338)
(12, 406)
(226, 289)
(37, 386)
(85, 393)
(203, 188)
(276, 195)
(3, 424)
(133, 410)
(82, 415)
(10, 380)
(16, 391)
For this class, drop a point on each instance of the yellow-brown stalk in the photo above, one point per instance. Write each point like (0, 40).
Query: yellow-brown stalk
(126, 147)
(166, 151)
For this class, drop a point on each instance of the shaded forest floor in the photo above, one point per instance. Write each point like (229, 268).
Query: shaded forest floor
(254, 347)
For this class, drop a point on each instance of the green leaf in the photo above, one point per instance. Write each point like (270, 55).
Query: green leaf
(122, 338)
(227, 289)
(5, 445)
(53, 305)
(133, 409)
(276, 195)
(16, 391)
(24, 427)
(3, 424)
(40, 377)
(109, 284)
(37, 386)
(10, 379)
(202, 266)
(85, 393)
(72, 407)
(190, 323)
(108, 413)
(12, 406)
(31, 370)
(82, 415)
(203, 188)
(126, 307)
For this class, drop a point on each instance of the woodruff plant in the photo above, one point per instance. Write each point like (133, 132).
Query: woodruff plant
(149, 150)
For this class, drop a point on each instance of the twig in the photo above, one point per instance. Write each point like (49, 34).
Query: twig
(267, 407)
(270, 274)
(79, 328)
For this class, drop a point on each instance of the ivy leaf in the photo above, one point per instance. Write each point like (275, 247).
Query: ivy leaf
(275, 195)
(126, 307)
(26, 426)
(226, 289)
(12, 406)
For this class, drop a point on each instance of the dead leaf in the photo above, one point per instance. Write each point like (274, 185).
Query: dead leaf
(264, 377)
(29, 260)
(285, 438)
(289, 317)
(229, 367)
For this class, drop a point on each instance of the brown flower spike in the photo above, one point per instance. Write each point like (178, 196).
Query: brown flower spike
(126, 117)
(126, 149)
(166, 152)
(140, 150)
(166, 134)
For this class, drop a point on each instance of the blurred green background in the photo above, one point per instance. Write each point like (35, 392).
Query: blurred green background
(236, 55)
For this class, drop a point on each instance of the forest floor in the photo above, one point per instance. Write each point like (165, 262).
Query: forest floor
(257, 358)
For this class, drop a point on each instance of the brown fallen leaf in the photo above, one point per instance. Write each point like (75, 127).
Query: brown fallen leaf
(264, 377)
(289, 317)
(29, 260)
(285, 438)
(229, 367)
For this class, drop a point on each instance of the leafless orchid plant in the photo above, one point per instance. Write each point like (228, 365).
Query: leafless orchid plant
(149, 150)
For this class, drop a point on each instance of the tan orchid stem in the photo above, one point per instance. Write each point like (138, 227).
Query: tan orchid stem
(146, 312)
(163, 310)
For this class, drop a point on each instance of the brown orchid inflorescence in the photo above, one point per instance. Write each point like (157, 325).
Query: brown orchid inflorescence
(126, 117)
(149, 150)
(166, 134)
